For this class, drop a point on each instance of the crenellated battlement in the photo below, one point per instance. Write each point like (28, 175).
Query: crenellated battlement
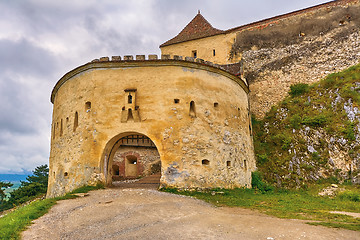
(232, 71)
(152, 57)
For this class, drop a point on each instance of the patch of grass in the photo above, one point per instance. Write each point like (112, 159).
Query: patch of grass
(350, 195)
(13, 223)
(16, 221)
(85, 189)
(291, 204)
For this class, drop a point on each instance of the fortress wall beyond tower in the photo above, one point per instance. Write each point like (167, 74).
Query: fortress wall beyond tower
(205, 47)
(196, 115)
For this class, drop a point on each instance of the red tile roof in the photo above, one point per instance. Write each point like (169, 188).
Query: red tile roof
(199, 27)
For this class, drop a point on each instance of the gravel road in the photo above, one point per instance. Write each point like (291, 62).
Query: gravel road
(117, 213)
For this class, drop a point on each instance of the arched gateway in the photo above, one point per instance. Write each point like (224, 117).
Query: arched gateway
(128, 156)
(125, 119)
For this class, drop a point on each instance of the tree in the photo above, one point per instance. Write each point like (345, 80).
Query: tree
(2, 193)
(34, 186)
(40, 175)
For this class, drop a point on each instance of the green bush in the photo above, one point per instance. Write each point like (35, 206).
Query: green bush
(258, 183)
(316, 121)
(283, 140)
(298, 89)
(315, 156)
(295, 121)
(349, 131)
(262, 158)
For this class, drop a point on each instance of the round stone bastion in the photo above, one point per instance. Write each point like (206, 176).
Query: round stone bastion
(114, 120)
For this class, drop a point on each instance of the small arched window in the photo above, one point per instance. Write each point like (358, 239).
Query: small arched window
(61, 127)
(129, 98)
(192, 111)
(76, 121)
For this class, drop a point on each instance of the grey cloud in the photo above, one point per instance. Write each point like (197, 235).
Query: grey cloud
(22, 57)
(16, 113)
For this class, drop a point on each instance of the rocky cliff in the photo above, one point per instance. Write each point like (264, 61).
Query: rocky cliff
(312, 134)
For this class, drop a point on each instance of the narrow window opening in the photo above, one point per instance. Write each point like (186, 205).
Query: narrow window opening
(192, 111)
(54, 128)
(213, 52)
(76, 121)
(132, 160)
(228, 163)
(54, 174)
(67, 119)
(176, 100)
(216, 104)
(194, 54)
(66, 174)
(130, 115)
(245, 166)
(87, 106)
(205, 162)
(129, 98)
(116, 170)
(61, 127)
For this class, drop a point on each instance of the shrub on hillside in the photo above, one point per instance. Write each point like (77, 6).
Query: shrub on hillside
(316, 121)
(298, 89)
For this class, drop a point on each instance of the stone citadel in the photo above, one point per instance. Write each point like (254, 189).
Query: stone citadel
(189, 117)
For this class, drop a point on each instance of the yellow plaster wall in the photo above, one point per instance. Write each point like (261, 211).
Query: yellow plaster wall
(222, 44)
(219, 134)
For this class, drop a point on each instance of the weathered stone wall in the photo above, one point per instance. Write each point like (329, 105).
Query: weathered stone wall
(196, 115)
(301, 48)
(222, 44)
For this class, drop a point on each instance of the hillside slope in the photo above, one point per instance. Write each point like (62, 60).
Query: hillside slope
(313, 134)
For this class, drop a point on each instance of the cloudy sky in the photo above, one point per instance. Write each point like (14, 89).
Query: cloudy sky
(41, 40)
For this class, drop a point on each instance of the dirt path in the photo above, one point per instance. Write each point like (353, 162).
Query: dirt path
(148, 214)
